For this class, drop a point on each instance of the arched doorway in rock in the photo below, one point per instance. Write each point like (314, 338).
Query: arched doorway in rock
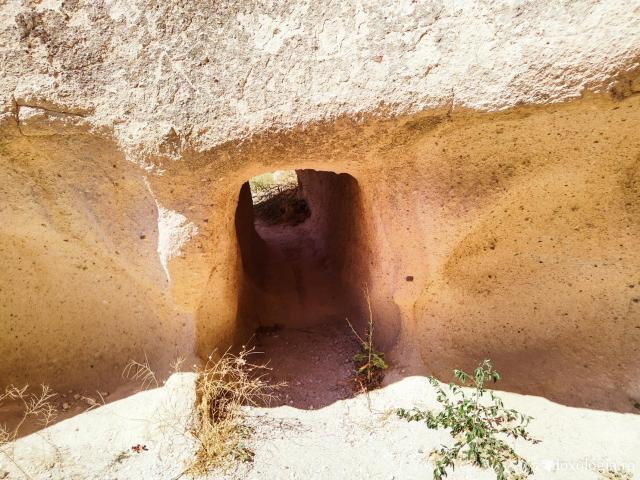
(304, 260)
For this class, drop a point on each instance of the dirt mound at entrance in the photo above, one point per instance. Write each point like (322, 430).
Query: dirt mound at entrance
(316, 363)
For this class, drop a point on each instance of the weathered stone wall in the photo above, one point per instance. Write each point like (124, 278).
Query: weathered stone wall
(495, 147)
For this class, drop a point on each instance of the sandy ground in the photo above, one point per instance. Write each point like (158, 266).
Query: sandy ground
(67, 405)
(310, 346)
(352, 438)
(316, 363)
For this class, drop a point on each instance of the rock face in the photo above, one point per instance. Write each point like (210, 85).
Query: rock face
(493, 148)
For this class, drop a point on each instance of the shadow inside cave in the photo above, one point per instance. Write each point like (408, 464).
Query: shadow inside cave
(303, 278)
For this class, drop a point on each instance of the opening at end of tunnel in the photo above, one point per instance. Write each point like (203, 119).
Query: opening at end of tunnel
(304, 262)
(278, 198)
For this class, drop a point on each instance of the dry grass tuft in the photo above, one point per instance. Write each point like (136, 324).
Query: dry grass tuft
(35, 406)
(223, 387)
(614, 474)
(176, 364)
(141, 372)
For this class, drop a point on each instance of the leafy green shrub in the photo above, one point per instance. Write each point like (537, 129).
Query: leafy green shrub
(477, 422)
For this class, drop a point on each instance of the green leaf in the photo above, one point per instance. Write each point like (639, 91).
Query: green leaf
(478, 426)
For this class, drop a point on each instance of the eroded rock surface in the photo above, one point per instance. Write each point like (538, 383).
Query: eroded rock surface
(495, 148)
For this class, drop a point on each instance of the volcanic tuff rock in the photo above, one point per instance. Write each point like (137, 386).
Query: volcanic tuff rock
(493, 147)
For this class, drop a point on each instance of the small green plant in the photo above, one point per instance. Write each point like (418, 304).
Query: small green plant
(370, 363)
(477, 422)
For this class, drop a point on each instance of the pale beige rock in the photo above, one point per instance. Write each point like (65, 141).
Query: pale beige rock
(41, 122)
(495, 148)
(355, 438)
(215, 73)
(97, 444)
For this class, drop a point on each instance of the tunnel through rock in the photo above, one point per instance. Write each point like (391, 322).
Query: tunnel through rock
(302, 251)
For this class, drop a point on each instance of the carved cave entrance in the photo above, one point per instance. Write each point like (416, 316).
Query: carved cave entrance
(302, 250)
